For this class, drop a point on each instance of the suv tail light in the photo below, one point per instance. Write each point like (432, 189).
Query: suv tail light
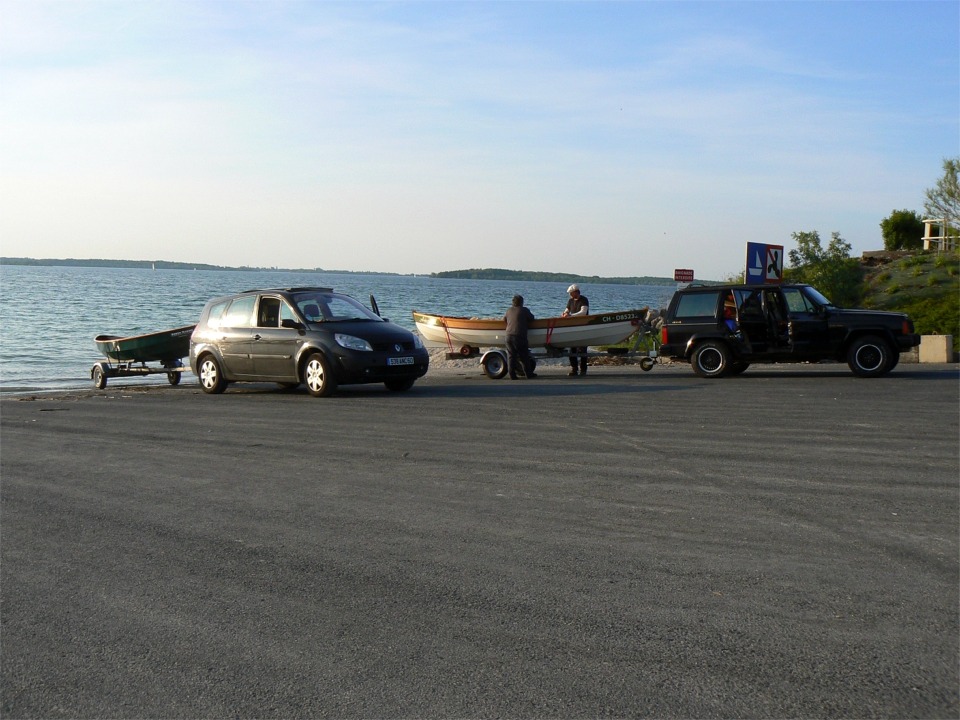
(907, 328)
(663, 335)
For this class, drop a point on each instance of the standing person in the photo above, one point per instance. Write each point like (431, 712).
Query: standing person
(518, 347)
(577, 305)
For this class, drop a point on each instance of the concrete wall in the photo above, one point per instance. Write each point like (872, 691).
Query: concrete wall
(936, 348)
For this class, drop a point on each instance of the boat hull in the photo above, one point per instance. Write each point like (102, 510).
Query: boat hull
(560, 332)
(162, 346)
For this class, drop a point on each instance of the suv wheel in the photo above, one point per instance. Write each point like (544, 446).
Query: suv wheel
(317, 376)
(711, 359)
(870, 356)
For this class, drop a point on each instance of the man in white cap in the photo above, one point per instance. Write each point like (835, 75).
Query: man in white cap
(577, 305)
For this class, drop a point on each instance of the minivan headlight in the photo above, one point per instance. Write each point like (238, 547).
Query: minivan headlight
(352, 343)
(417, 342)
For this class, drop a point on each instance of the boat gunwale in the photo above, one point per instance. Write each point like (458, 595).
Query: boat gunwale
(457, 322)
(159, 333)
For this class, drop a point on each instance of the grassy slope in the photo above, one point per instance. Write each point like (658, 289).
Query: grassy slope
(925, 285)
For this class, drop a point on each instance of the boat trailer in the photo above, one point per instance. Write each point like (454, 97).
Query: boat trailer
(495, 365)
(105, 369)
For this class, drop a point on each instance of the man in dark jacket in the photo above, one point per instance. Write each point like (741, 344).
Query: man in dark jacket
(518, 349)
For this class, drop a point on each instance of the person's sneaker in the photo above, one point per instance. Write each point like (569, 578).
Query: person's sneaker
(573, 373)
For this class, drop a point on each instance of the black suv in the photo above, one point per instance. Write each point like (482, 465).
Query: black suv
(304, 335)
(722, 329)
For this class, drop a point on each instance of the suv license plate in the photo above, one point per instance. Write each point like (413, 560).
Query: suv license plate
(400, 361)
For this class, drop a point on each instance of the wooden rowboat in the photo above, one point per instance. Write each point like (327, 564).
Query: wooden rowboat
(558, 332)
(163, 346)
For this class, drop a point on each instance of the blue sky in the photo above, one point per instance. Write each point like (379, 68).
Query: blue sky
(607, 138)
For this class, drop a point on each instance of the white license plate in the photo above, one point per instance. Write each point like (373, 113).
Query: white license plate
(400, 361)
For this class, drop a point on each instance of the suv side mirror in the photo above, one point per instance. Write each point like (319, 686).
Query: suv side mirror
(291, 324)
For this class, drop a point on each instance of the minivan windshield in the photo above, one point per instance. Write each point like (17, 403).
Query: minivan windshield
(331, 307)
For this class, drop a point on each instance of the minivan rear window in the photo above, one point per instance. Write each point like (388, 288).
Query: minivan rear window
(698, 305)
(216, 312)
(240, 313)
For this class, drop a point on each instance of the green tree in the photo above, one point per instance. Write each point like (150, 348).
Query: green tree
(831, 270)
(943, 200)
(903, 230)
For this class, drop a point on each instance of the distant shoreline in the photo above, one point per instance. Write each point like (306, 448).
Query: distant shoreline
(536, 276)
(167, 265)
(471, 274)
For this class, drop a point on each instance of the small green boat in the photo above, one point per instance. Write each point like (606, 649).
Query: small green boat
(131, 355)
(162, 346)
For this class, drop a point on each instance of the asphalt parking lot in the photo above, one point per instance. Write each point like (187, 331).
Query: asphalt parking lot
(630, 544)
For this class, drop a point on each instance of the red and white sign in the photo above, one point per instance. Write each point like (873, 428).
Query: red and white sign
(683, 275)
(764, 263)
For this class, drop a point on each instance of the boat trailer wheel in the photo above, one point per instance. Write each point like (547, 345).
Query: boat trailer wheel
(494, 365)
(98, 376)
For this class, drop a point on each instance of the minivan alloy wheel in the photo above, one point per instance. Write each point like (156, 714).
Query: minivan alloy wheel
(211, 376)
(317, 376)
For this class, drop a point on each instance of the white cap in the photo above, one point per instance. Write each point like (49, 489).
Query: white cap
(573, 287)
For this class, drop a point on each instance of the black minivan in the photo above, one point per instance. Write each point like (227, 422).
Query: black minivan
(308, 335)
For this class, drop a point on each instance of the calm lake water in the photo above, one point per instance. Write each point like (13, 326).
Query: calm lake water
(50, 315)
